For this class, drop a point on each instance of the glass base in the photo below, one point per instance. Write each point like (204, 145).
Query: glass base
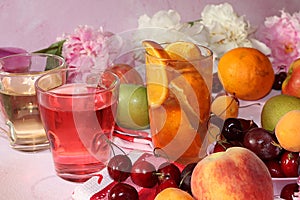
(78, 173)
(30, 147)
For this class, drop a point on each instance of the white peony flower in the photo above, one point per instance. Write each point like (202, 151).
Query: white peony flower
(197, 31)
(163, 19)
(227, 30)
(220, 29)
(166, 26)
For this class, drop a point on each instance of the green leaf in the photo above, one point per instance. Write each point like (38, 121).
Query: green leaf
(54, 49)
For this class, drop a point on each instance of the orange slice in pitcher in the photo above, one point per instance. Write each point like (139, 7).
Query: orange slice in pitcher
(157, 80)
(183, 51)
(190, 88)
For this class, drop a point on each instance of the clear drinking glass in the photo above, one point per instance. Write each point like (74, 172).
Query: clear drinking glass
(179, 123)
(78, 113)
(18, 74)
(179, 118)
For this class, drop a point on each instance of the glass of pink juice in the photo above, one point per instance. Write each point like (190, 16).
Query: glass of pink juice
(78, 114)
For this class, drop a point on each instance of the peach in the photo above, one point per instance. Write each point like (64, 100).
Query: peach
(287, 131)
(173, 194)
(235, 174)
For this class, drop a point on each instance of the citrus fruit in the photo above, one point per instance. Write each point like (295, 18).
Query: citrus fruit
(179, 122)
(246, 73)
(287, 131)
(189, 86)
(175, 135)
(173, 194)
(157, 80)
(194, 97)
(183, 50)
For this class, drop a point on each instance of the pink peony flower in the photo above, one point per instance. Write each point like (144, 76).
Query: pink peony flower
(282, 35)
(87, 48)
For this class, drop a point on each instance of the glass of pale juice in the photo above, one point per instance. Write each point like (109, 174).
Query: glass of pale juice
(78, 113)
(18, 74)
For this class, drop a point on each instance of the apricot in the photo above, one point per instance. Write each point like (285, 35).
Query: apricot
(173, 194)
(287, 131)
(225, 107)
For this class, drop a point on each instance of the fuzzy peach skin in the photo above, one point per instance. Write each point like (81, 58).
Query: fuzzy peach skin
(237, 174)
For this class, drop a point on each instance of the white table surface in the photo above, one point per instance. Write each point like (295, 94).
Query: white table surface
(32, 176)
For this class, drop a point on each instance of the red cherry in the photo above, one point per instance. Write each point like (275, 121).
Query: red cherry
(166, 184)
(290, 163)
(274, 168)
(123, 191)
(221, 146)
(119, 167)
(288, 190)
(168, 171)
(143, 174)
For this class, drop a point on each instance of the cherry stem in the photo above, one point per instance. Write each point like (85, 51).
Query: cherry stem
(113, 144)
(276, 144)
(248, 105)
(162, 175)
(164, 155)
(216, 136)
(184, 177)
(228, 106)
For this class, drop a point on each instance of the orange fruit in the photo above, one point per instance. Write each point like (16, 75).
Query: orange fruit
(287, 131)
(183, 51)
(190, 87)
(175, 135)
(246, 73)
(157, 80)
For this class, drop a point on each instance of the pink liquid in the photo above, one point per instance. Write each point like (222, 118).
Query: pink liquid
(78, 129)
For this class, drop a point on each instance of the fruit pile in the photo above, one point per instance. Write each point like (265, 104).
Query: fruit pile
(245, 133)
(143, 173)
(276, 142)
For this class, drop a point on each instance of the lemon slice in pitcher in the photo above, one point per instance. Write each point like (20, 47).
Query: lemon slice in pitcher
(157, 80)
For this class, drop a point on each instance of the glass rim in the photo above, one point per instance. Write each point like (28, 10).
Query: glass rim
(112, 86)
(205, 57)
(57, 57)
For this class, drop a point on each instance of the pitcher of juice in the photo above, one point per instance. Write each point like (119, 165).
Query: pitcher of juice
(179, 81)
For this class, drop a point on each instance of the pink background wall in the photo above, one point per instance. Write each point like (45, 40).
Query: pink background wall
(35, 24)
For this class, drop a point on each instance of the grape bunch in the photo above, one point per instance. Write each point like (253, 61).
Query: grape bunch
(245, 133)
(144, 174)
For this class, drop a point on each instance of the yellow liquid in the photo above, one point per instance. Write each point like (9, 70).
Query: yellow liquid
(25, 126)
